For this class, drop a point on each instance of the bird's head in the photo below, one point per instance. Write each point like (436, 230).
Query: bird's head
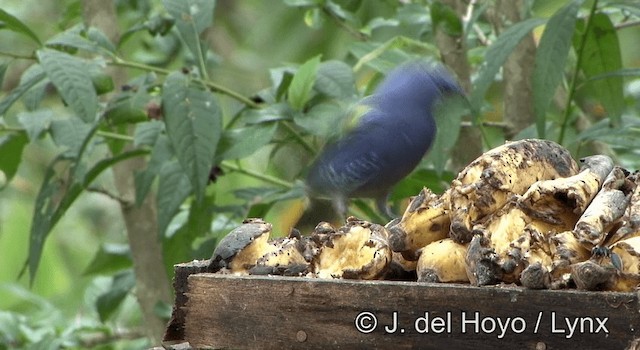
(415, 86)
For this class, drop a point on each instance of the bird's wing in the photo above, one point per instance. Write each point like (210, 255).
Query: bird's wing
(347, 175)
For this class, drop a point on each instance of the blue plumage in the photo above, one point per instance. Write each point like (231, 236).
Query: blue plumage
(388, 142)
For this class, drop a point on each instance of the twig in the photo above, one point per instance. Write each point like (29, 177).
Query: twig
(124, 202)
(260, 176)
(354, 32)
(213, 86)
(627, 24)
(574, 79)
(17, 56)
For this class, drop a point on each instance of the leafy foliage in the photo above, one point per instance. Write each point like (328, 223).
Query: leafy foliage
(218, 148)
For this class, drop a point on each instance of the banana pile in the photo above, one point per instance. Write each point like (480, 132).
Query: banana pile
(524, 213)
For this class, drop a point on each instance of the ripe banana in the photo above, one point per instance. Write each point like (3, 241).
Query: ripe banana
(425, 220)
(442, 261)
(358, 250)
(565, 199)
(488, 182)
(248, 250)
(607, 207)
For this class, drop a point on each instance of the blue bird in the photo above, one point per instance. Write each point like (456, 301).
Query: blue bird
(389, 141)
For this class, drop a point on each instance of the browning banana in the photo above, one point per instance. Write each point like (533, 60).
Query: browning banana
(512, 241)
(607, 207)
(484, 186)
(565, 199)
(425, 220)
(442, 261)
(248, 250)
(358, 250)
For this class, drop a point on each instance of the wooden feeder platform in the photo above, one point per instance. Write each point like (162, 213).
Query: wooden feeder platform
(275, 312)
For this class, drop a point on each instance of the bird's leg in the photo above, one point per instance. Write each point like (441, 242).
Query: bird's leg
(340, 206)
(383, 206)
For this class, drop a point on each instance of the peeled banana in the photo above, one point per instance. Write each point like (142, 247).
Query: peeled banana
(488, 183)
(442, 261)
(425, 220)
(248, 250)
(358, 250)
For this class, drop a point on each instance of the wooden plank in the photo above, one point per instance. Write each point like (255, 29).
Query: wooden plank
(264, 312)
(175, 328)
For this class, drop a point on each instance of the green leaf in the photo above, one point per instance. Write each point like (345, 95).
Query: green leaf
(627, 136)
(299, 3)
(313, 18)
(160, 155)
(174, 188)
(551, 57)
(71, 79)
(98, 37)
(385, 56)
(102, 83)
(601, 55)
(36, 122)
(11, 146)
(496, 55)
(3, 70)
(283, 87)
(194, 125)
(448, 116)
(71, 134)
(437, 181)
(55, 197)
(12, 23)
(147, 133)
(446, 19)
(32, 76)
(378, 22)
(272, 112)
(624, 72)
(76, 38)
(45, 214)
(324, 119)
(192, 17)
(107, 163)
(109, 259)
(33, 98)
(335, 79)
(121, 285)
(124, 111)
(242, 142)
(302, 83)
(178, 246)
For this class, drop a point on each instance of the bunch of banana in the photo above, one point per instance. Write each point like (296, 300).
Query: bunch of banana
(358, 250)
(489, 182)
(521, 213)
